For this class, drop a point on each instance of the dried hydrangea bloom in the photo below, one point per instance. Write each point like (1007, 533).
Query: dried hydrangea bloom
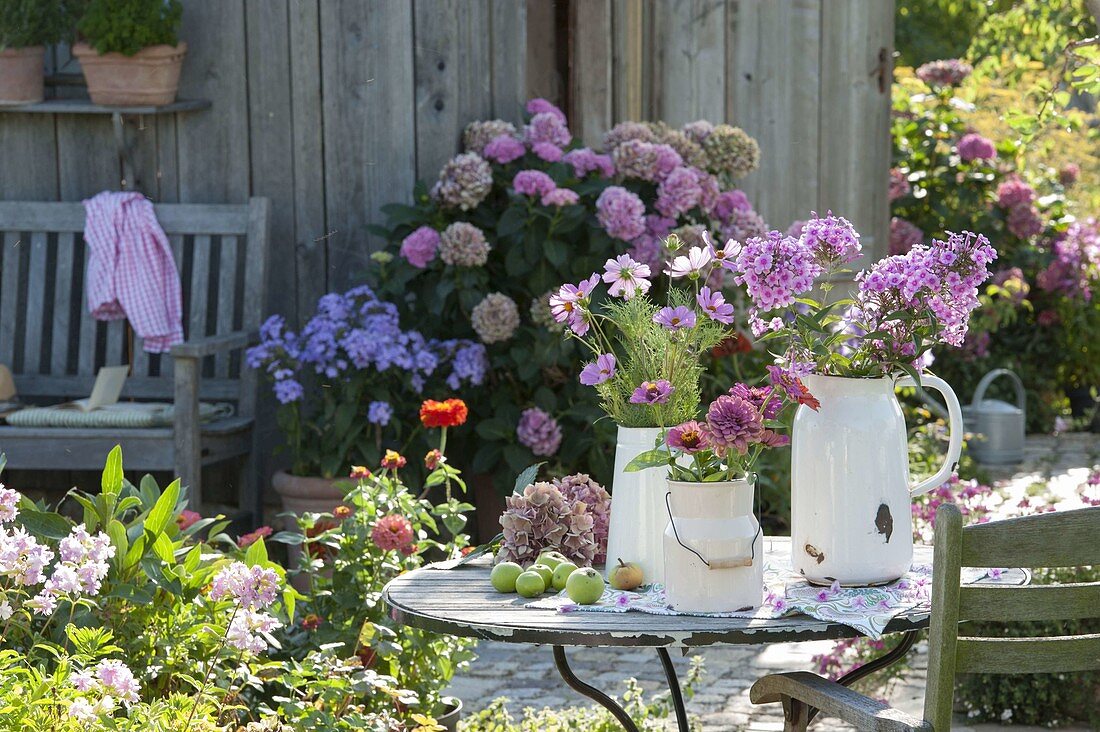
(463, 245)
(690, 150)
(731, 151)
(624, 131)
(698, 131)
(495, 318)
(645, 160)
(581, 488)
(464, 182)
(479, 134)
(944, 73)
(543, 519)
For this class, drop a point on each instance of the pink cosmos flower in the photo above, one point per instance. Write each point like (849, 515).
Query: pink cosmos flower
(714, 305)
(570, 304)
(676, 318)
(689, 265)
(652, 392)
(689, 437)
(726, 255)
(626, 276)
(598, 371)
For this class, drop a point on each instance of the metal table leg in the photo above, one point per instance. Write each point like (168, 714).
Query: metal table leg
(611, 705)
(592, 692)
(908, 640)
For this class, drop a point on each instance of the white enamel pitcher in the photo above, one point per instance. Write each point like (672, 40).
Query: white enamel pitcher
(851, 514)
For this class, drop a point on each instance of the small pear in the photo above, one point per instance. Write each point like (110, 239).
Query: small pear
(626, 576)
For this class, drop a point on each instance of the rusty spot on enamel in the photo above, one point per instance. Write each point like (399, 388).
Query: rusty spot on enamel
(815, 553)
(884, 522)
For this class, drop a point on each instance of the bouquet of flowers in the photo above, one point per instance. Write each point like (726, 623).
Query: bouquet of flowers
(646, 357)
(739, 425)
(351, 360)
(903, 306)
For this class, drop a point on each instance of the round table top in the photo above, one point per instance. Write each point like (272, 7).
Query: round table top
(462, 602)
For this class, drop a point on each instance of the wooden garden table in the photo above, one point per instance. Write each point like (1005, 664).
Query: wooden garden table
(462, 602)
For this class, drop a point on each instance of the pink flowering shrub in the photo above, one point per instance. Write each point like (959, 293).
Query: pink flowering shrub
(526, 206)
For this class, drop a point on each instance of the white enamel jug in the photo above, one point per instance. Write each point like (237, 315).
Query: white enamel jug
(851, 514)
(714, 549)
(638, 513)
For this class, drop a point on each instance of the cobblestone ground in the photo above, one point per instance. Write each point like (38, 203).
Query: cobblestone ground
(526, 675)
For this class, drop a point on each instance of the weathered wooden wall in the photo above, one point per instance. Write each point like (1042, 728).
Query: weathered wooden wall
(333, 108)
(810, 79)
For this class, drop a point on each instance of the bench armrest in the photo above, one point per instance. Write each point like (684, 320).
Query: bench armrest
(835, 700)
(209, 345)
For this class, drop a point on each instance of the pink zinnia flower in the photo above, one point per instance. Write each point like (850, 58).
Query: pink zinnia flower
(733, 423)
(652, 392)
(251, 537)
(598, 371)
(690, 437)
(393, 533)
(676, 318)
(626, 276)
(714, 305)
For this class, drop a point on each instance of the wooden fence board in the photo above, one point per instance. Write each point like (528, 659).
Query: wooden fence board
(590, 65)
(690, 46)
(508, 47)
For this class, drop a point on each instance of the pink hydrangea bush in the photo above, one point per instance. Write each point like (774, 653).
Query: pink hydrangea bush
(543, 518)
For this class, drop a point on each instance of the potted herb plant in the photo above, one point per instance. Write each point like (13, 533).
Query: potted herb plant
(26, 26)
(713, 545)
(130, 51)
(337, 381)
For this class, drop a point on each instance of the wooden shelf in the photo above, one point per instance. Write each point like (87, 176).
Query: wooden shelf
(85, 106)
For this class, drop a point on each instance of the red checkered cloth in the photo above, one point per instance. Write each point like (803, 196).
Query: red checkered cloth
(131, 273)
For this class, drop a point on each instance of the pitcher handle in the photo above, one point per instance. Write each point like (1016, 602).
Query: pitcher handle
(954, 431)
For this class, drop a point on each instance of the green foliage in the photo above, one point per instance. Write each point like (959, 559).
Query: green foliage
(127, 26)
(26, 23)
(929, 30)
(652, 713)
(647, 351)
(346, 571)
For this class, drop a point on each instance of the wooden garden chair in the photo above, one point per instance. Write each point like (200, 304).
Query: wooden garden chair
(1065, 539)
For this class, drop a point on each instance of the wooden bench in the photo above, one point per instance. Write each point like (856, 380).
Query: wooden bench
(54, 347)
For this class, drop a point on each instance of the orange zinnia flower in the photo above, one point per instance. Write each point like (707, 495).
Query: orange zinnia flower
(393, 460)
(449, 413)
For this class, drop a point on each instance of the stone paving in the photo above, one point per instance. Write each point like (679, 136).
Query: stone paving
(526, 675)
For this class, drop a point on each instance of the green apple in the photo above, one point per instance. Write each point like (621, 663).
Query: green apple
(551, 559)
(546, 571)
(561, 574)
(504, 576)
(530, 584)
(585, 586)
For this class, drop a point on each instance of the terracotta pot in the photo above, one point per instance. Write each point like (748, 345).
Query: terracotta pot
(21, 75)
(149, 77)
(309, 495)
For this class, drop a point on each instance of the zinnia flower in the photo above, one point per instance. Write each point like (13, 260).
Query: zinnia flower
(393, 533)
(598, 371)
(359, 472)
(342, 511)
(187, 519)
(689, 437)
(652, 392)
(626, 276)
(433, 459)
(733, 423)
(251, 537)
(312, 622)
(676, 318)
(449, 413)
(393, 460)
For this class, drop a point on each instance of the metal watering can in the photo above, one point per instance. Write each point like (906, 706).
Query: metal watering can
(998, 426)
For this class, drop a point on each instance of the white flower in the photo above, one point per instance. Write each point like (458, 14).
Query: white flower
(6, 610)
(82, 710)
(689, 265)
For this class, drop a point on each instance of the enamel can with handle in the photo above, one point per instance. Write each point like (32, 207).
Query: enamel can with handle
(851, 492)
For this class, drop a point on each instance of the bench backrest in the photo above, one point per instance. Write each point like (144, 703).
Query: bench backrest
(1058, 539)
(54, 346)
